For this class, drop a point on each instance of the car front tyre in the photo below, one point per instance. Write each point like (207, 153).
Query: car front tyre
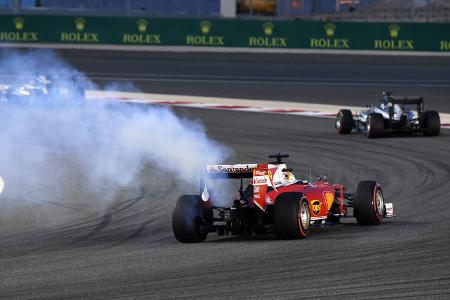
(369, 203)
(375, 125)
(431, 123)
(344, 121)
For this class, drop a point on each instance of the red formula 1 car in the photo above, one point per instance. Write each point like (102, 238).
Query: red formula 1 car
(272, 201)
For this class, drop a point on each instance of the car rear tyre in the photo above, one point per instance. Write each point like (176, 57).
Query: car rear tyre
(344, 121)
(369, 203)
(431, 123)
(291, 216)
(187, 222)
(375, 126)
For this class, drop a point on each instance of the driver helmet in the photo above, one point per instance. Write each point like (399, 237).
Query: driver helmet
(384, 102)
(288, 177)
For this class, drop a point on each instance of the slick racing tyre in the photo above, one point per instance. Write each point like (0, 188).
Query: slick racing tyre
(369, 203)
(187, 222)
(431, 123)
(375, 125)
(344, 121)
(291, 216)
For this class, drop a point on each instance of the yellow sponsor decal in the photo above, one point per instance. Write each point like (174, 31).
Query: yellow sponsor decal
(205, 27)
(445, 45)
(18, 23)
(205, 39)
(19, 35)
(143, 37)
(316, 206)
(267, 40)
(329, 197)
(268, 28)
(255, 41)
(79, 24)
(330, 42)
(79, 36)
(330, 30)
(142, 25)
(394, 31)
(394, 43)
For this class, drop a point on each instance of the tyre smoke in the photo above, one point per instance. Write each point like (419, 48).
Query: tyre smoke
(59, 138)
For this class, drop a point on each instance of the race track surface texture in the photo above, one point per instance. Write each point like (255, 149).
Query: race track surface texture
(75, 247)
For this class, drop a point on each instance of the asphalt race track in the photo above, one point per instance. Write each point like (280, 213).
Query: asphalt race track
(331, 79)
(78, 248)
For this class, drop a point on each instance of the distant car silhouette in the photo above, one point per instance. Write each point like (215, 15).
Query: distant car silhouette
(391, 115)
(41, 90)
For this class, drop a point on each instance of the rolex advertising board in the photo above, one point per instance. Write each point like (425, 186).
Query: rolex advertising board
(225, 33)
(18, 30)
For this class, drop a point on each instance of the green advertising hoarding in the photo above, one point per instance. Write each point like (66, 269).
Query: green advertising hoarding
(225, 33)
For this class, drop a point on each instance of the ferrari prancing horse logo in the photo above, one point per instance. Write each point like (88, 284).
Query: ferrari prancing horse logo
(316, 207)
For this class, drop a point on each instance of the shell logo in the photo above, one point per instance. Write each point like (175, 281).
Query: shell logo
(329, 197)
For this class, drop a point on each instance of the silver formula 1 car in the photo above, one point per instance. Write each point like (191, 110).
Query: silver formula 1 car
(41, 90)
(393, 114)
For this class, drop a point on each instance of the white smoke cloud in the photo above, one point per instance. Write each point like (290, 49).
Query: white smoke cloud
(55, 139)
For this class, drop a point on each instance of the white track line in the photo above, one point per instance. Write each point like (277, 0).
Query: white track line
(262, 106)
(184, 49)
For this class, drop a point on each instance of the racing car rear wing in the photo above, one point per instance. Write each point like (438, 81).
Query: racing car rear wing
(405, 100)
(230, 171)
